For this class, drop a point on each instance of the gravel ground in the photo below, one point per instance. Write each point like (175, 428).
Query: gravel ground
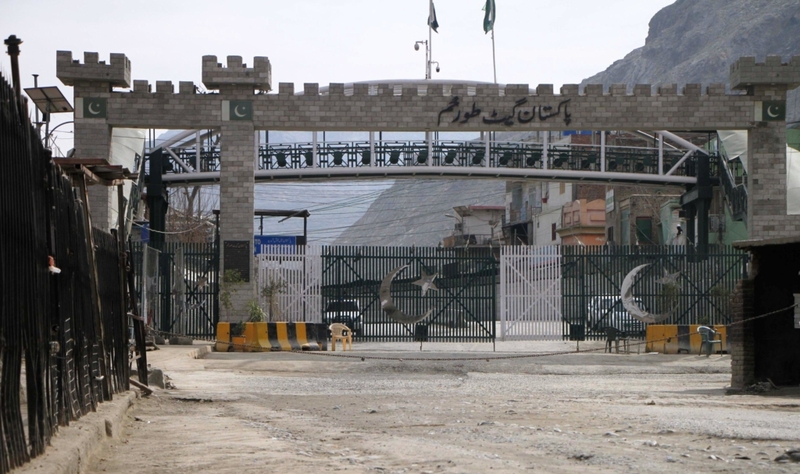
(453, 408)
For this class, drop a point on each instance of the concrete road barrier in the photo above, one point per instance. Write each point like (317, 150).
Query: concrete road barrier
(677, 338)
(277, 336)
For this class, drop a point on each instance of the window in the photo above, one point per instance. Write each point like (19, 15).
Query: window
(553, 232)
(644, 230)
(610, 237)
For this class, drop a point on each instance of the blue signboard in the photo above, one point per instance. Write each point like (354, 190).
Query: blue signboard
(272, 240)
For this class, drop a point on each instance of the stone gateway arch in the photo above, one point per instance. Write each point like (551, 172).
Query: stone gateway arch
(239, 105)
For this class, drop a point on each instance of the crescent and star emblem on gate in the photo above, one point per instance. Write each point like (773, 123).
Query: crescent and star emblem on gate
(241, 110)
(387, 304)
(94, 107)
(670, 280)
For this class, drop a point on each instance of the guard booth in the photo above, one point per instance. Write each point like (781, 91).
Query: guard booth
(767, 347)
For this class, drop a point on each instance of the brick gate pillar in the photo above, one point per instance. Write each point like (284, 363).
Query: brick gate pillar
(237, 85)
(740, 336)
(766, 144)
(92, 83)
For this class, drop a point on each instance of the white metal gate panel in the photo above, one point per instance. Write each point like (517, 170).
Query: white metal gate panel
(530, 293)
(295, 275)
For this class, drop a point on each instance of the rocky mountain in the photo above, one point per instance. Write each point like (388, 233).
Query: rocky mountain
(695, 41)
(413, 212)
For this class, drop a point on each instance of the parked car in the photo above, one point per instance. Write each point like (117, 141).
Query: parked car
(450, 318)
(608, 311)
(346, 312)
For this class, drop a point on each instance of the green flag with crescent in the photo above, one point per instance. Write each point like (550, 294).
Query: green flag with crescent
(432, 22)
(773, 110)
(488, 17)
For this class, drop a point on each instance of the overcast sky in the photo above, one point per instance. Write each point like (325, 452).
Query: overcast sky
(324, 41)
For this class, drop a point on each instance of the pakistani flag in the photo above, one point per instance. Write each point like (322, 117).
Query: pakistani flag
(432, 18)
(94, 107)
(773, 111)
(488, 18)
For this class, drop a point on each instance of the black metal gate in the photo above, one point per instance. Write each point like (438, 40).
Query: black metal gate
(178, 287)
(699, 292)
(463, 305)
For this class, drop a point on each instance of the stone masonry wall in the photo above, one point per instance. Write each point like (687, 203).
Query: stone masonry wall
(93, 136)
(767, 210)
(740, 336)
(236, 202)
(423, 107)
(766, 185)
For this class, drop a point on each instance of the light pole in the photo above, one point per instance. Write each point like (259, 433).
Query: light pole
(427, 57)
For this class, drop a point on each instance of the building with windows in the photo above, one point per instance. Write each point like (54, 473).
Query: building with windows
(475, 226)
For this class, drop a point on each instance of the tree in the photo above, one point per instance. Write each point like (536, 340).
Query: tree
(189, 217)
(270, 291)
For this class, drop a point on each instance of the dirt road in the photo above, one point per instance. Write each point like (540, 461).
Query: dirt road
(394, 413)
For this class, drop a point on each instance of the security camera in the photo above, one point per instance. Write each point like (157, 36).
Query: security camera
(416, 46)
(437, 68)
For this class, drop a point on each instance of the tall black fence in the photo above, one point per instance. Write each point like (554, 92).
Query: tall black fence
(460, 301)
(178, 287)
(68, 328)
(687, 288)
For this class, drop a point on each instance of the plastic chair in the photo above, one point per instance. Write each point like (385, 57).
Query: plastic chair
(615, 336)
(709, 338)
(340, 332)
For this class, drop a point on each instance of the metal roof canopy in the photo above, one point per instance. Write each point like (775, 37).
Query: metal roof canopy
(261, 213)
(274, 213)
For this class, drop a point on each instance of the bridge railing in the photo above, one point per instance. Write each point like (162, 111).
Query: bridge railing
(400, 153)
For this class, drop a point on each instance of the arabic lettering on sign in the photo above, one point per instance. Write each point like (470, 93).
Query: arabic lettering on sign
(519, 113)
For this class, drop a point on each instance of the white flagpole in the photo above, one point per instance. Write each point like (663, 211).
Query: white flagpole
(494, 61)
(429, 53)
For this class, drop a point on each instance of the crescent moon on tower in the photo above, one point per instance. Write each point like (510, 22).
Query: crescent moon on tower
(769, 111)
(91, 108)
(237, 113)
(387, 304)
(626, 295)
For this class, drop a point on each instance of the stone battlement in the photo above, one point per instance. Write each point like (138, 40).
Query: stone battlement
(236, 73)
(69, 71)
(746, 72)
(390, 89)
(494, 90)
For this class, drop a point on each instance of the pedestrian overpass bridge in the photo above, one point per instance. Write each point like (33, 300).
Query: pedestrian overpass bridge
(662, 164)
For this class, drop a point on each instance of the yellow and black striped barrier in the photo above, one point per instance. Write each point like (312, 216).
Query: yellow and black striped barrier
(278, 336)
(674, 339)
